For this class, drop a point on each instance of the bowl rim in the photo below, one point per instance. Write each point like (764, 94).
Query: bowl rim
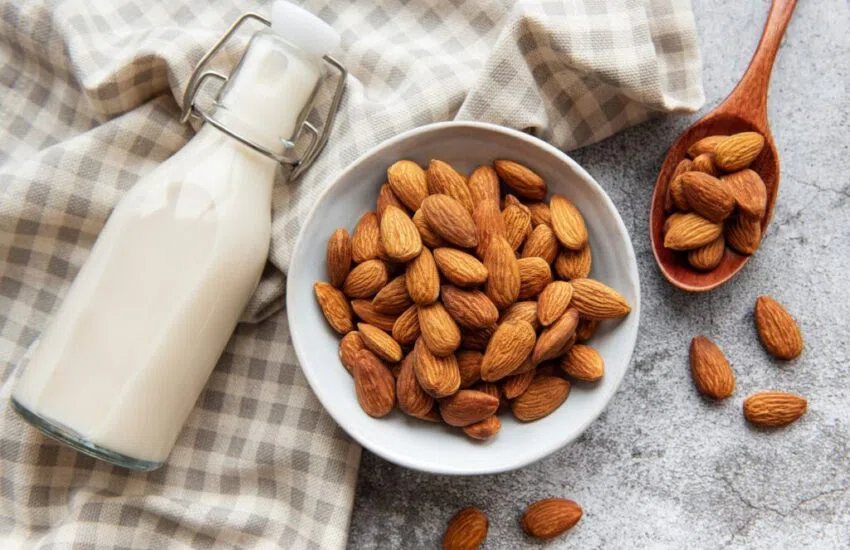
(553, 444)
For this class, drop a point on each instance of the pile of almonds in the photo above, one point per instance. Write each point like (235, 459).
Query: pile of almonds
(457, 304)
(714, 200)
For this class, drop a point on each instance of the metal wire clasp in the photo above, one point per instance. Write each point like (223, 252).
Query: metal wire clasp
(318, 138)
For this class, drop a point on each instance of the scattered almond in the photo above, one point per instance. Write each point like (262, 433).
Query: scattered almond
(778, 331)
(466, 530)
(773, 408)
(548, 518)
(710, 369)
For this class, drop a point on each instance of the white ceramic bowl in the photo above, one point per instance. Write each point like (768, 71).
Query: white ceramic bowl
(436, 448)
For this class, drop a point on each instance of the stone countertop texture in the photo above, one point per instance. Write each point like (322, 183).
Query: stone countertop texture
(662, 467)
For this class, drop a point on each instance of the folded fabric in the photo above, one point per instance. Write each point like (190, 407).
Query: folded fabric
(88, 107)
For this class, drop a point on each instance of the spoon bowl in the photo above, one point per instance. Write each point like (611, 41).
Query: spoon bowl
(745, 109)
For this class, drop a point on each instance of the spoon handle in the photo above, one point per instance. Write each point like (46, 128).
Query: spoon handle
(749, 98)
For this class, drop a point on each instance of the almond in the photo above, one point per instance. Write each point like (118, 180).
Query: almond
(484, 185)
(405, 329)
(671, 219)
(553, 302)
(393, 298)
(339, 257)
(707, 196)
(469, 364)
(743, 234)
(553, 341)
(335, 307)
(399, 235)
(574, 264)
(738, 151)
(488, 222)
(710, 370)
(470, 308)
(705, 145)
(409, 183)
(521, 311)
(432, 416)
(386, 198)
(489, 388)
(445, 180)
(366, 239)
(429, 237)
(548, 518)
(460, 268)
(423, 279)
(705, 163)
(515, 385)
(467, 407)
(691, 231)
(503, 277)
(778, 331)
(749, 191)
(381, 343)
(544, 395)
(412, 399)
(595, 300)
(366, 279)
(485, 429)
(438, 376)
(541, 242)
(586, 329)
(517, 221)
(449, 219)
(366, 311)
(507, 349)
(466, 531)
(439, 331)
(374, 384)
(476, 339)
(677, 193)
(773, 408)
(685, 165)
(583, 363)
(709, 256)
(350, 344)
(521, 179)
(534, 275)
(567, 223)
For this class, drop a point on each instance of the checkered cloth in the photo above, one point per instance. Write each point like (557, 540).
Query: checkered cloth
(88, 107)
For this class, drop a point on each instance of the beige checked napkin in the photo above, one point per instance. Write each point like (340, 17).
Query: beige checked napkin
(87, 107)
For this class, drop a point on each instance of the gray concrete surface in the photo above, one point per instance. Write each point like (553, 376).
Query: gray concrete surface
(662, 468)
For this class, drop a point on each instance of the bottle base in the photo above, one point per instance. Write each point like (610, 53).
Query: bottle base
(76, 441)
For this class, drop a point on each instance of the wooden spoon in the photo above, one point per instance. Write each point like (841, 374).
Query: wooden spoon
(745, 109)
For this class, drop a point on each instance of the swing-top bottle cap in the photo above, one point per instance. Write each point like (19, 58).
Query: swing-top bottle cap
(303, 29)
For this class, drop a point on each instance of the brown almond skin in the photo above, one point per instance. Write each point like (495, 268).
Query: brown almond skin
(381, 343)
(544, 395)
(778, 331)
(393, 299)
(583, 363)
(439, 331)
(707, 144)
(460, 268)
(484, 429)
(677, 194)
(366, 279)
(423, 279)
(705, 163)
(374, 385)
(772, 409)
(517, 221)
(412, 399)
(595, 300)
(438, 376)
(366, 311)
(488, 223)
(443, 179)
(548, 518)
(467, 407)
(743, 234)
(586, 329)
(349, 346)
(508, 347)
(515, 385)
(335, 307)
(710, 369)
(708, 196)
(522, 311)
(574, 264)
(526, 183)
(470, 308)
(449, 219)
(749, 191)
(489, 388)
(476, 339)
(484, 185)
(430, 238)
(540, 213)
(738, 151)
(366, 239)
(466, 530)
(567, 223)
(399, 235)
(387, 198)
(685, 165)
(534, 275)
(709, 256)
(503, 276)
(541, 243)
(339, 257)
(553, 341)
(469, 364)
(405, 329)
(691, 231)
(553, 301)
(409, 183)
